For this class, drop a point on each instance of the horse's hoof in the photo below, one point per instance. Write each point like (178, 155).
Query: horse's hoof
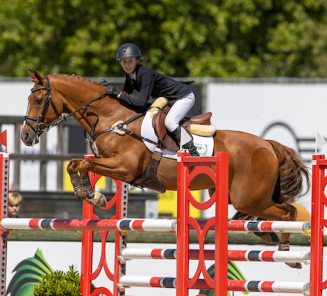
(100, 200)
(296, 265)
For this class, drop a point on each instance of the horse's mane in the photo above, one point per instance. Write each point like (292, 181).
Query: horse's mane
(73, 76)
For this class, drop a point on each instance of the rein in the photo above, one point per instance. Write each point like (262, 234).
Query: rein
(120, 127)
(46, 126)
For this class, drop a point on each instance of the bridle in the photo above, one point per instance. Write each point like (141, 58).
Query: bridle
(41, 125)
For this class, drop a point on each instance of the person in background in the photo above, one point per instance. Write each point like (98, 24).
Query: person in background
(15, 203)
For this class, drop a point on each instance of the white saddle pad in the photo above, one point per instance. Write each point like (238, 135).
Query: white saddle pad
(204, 145)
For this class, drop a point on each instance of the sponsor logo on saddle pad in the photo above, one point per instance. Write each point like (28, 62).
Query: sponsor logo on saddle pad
(202, 148)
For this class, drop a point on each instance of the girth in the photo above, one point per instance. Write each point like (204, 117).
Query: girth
(149, 177)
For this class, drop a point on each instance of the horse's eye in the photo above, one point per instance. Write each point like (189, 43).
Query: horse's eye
(38, 101)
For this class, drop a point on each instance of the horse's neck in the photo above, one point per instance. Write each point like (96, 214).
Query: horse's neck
(80, 93)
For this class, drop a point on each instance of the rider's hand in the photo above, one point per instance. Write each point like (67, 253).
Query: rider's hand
(112, 91)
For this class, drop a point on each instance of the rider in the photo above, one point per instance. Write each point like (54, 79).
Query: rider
(151, 83)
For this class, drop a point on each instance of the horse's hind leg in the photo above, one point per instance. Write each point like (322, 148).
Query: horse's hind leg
(284, 244)
(266, 209)
(282, 212)
(82, 187)
(269, 237)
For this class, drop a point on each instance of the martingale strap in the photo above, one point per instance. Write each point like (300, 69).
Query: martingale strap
(120, 127)
(117, 127)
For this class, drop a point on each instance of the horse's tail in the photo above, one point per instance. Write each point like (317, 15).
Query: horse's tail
(289, 186)
(292, 173)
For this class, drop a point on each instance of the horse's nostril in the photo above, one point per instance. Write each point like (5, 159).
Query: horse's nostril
(26, 136)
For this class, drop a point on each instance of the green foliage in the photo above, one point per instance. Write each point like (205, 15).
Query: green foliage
(59, 283)
(225, 38)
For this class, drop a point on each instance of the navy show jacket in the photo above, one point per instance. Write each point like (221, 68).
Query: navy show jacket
(151, 83)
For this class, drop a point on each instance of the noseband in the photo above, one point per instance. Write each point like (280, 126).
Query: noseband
(41, 125)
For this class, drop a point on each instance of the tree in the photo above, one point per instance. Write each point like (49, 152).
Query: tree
(231, 38)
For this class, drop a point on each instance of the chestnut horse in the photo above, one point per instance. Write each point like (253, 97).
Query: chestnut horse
(264, 176)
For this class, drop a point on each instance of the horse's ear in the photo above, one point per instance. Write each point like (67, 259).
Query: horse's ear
(38, 76)
(31, 75)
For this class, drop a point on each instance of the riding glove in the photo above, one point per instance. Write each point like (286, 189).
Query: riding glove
(112, 91)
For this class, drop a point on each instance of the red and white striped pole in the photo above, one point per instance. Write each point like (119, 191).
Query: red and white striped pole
(232, 285)
(233, 255)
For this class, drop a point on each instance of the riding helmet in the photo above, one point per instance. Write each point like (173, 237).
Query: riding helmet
(128, 50)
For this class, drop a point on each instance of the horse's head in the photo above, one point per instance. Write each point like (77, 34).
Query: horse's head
(41, 110)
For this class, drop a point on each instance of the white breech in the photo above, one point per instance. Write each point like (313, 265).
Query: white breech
(178, 111)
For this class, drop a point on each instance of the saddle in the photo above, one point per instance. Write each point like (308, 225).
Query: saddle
(165, 139)
(198, 125)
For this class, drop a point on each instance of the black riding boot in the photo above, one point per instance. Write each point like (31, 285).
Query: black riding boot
(176, 135)
(191, 148)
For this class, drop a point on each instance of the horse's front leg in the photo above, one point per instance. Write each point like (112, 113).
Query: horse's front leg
(78, 170)
(82, 185)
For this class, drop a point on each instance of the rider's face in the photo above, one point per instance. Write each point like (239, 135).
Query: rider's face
(129, 64)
